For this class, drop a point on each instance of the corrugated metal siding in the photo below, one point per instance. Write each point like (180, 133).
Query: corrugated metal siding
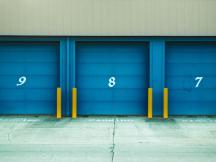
(108, 17)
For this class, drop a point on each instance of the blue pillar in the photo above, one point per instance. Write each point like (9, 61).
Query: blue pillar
(157, 74)
(63, 74)
(67, 73)
(71, 71)
(73, 64)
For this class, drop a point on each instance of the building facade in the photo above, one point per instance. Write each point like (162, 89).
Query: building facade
(111, 52)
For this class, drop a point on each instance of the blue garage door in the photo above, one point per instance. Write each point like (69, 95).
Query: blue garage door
(28, 78)
(112, 78)
(191, 78)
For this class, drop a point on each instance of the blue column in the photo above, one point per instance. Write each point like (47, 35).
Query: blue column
(157, 74)
(63, 74)
(71, 71)
(67, 73)
(73, 63)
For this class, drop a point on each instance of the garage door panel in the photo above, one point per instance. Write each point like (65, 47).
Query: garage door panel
(28, 107)
(114, 95)
(190, 47)
(194, 60)
(94, 69)
(98, 63)
(189, 82)
(94, 95)
(116, 58)
(31, 82)
(121, 82)
(27, 95)
(191, 77)
(38, 63)
(111, 108)
(23, 68)
(32, 57)
(16, 52)
(115, 69)
(192, 95)
(194, 108)
(191, 69)
(129, 95)
(110, 52)
(181, 82)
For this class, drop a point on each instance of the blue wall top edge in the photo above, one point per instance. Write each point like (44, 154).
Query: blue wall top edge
(107, 38)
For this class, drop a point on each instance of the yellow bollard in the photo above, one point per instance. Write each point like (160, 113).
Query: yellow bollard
(59, 104)
(165, 104)
(150, 104)
(74, 103)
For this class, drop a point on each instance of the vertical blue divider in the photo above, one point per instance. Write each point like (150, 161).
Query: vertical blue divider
(73, 63)
(72, 71)
(67, 73)
(157, 73)
(68, 76)
(63, 74)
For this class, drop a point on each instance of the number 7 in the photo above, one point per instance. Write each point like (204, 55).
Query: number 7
(199, 80)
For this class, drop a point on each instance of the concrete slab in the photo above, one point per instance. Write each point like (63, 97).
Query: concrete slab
(47, 139)
(177, 139)
(113, 139)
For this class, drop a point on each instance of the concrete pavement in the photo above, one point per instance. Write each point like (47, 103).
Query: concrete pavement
(107, 139)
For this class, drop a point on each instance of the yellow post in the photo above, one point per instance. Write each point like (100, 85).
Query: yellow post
(165, 112)
(74, 103)
(150, 97)
(59, 103)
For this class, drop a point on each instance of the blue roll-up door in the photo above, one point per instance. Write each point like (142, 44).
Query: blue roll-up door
(112, 78)
(191, 78)
(28, 77)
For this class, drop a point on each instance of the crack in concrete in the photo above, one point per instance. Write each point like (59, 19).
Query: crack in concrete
(9, 134)
(113, 140)
(8, 137)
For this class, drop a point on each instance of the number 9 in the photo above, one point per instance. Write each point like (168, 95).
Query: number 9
(22, 81)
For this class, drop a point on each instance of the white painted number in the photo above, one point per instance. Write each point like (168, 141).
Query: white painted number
(111, 82)
(22, 81)
(198, 79)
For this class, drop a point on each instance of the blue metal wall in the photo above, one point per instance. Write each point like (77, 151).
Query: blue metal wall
(67, 62)
(125, 62)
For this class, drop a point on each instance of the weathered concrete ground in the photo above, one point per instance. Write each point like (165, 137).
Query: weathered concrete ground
(107, 139)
